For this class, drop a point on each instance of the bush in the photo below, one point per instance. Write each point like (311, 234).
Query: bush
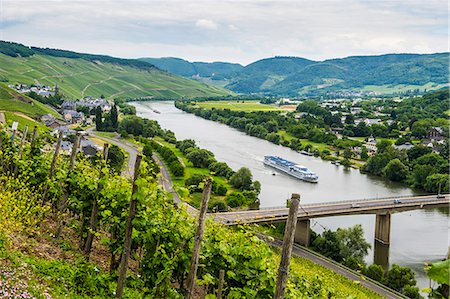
(194, 181)
(221, 190)
(235, 199)
(376, 272)
(242, 179)
(218, 205)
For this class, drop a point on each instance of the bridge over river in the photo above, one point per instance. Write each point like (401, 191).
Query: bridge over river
(381, 207)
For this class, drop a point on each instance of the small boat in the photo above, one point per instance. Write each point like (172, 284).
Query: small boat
(295, 170)
(306, 153)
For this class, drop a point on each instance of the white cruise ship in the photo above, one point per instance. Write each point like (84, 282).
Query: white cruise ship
(295, 170)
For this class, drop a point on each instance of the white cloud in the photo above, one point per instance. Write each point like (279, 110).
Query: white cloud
(236, 31)
(232, 27)
(206, 24)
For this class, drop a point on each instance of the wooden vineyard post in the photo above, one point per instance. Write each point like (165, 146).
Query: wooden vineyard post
(22, 142)
(62, 205)
(53, 165)
(55, 156)
(221, 281)
(94, 214)
(128, 231)
(33, 138)
(198, 238)
(286, 252)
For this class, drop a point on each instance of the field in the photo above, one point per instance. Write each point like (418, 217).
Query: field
(247, 106)
(79, 78)
(15, 102)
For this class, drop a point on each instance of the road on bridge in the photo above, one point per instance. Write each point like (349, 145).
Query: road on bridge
(354, 207)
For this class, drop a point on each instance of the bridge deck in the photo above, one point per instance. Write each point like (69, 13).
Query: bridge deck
(356, 207)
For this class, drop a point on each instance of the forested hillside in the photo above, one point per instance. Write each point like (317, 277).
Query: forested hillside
(181, 67)
(384, 73)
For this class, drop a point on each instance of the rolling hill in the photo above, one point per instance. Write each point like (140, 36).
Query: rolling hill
(292, 76)
(80, 75)
(392, 72)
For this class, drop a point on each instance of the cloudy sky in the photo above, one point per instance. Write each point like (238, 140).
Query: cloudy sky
(235, 31)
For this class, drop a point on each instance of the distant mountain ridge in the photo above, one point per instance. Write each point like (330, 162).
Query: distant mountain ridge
(292, 76)
(181, 67)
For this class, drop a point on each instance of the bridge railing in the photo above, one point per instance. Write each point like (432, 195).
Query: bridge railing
(348, 201)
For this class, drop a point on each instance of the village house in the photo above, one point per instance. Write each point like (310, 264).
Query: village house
(73, 116)
(371, 144)
(88, 147)
(435, 134)
(405, 146)
(66, 147)
(66, 131)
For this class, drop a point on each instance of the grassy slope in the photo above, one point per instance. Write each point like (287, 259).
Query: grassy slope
(16, 102)
(246, 106)
(11, 117)
(78, 78)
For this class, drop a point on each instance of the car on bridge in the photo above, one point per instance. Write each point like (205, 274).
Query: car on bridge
(356, 205)
(397, 201)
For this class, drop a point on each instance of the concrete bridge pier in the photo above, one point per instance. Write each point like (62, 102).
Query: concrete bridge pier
(302, 232)
(381, 255)
(383, 228)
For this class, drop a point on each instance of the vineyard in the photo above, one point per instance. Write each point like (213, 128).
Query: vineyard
(70, 226)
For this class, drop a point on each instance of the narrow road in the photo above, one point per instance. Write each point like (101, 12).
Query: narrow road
(336, 267)
(129, 147)
(166, 182)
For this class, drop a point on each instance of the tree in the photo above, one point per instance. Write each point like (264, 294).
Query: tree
(376, 272)
(364, 155)
(435, 181)
(221, 169)
(114, 117)
(328, 244)
(352, 242)
(350, 119)
(399, 277)
(242, 179)
(395, 171)
(418, 151)
(116, 158)
(362, 130)
(98, 119)
(348, 154)
(200, 158)
(383, 146)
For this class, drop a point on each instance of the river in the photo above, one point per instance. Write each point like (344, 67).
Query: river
(416, 236)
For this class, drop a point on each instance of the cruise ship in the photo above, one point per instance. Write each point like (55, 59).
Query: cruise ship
(295, 170)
